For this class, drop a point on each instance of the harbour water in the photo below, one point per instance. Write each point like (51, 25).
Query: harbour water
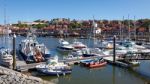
(104, 75)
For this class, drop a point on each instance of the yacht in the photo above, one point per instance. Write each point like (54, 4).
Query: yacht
(78, 45)
(64, 45)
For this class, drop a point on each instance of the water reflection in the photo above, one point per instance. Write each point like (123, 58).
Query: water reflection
(113, 75)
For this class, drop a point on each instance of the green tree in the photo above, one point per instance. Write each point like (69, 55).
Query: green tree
(39, 26)
(22, 25)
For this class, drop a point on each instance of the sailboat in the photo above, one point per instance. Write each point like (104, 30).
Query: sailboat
(6, 57)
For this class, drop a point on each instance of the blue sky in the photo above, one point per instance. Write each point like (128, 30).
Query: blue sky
(29, 10)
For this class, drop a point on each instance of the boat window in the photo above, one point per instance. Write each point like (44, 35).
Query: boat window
(34, 44)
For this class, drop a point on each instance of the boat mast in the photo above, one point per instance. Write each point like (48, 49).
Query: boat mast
(4, 30)
(93, 27)
(120, 25)
(149, 31)
(94, 30)
(122, 29)
(134, 29)
(128, 27)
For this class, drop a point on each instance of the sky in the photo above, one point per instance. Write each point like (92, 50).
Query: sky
(30, 10)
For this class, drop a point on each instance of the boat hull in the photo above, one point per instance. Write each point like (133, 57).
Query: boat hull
(88, 55)
(47, 56)
(64, 49)
(85, 62)
(97, 65)
(79, 47)
(7, 64)
(25, 57)
(55, 73)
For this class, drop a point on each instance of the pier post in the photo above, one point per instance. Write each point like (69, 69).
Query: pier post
(14, 52)
(114, 48)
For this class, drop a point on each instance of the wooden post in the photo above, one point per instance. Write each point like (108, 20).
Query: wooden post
(14, 52)
(114, 48)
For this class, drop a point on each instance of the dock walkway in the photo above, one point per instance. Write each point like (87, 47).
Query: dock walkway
(25, 67)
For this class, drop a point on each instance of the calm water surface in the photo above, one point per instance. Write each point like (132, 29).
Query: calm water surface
(104, 75)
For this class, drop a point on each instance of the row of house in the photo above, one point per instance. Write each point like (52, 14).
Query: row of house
(82, 26)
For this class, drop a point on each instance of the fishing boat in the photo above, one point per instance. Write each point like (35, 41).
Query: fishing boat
(64, 45)
(32, 51)
(78, 45)
(53, 67)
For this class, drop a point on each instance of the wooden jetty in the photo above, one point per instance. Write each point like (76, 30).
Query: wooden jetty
(116, 63)
(23, 66)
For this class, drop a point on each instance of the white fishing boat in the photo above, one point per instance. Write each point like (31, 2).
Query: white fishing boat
(53, 67)
(33, 51)
(64, 45)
